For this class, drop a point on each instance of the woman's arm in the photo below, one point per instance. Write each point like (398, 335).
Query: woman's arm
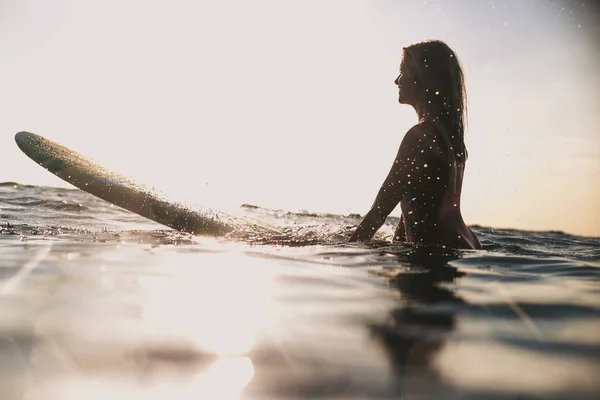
(387, 199)
(404, 170)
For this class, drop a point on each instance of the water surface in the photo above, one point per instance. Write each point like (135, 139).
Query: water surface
(99, 303)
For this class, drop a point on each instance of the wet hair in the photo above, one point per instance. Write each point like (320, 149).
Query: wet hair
(440, 88)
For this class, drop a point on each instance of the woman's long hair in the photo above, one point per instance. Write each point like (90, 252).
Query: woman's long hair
(440, 89)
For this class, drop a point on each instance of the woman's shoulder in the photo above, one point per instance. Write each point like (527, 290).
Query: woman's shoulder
(426, 140)
(424, 132)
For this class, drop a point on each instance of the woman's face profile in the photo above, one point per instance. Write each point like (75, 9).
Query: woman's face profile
(405, 85)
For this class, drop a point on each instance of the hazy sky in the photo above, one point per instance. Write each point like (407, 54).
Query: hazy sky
(291, 104)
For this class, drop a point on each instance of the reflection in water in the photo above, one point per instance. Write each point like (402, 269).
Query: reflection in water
(222, 304)
(175, 329)
(228, 302)
(414, 335)
(129, 322)
(223, 380)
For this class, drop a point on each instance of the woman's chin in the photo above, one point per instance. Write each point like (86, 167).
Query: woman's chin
(402, 99)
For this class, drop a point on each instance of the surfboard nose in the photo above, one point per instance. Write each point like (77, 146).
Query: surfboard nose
(23, 138)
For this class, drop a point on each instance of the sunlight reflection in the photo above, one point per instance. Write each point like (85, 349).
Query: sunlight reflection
(491, 366)
(225, 379)
(219, 301)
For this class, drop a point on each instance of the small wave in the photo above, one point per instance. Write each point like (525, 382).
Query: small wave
(24, 230)
(56, 205)
(9, 184)
(68, 207)
(250, 206)
(301, 213)
(15, 185)
(539, 244)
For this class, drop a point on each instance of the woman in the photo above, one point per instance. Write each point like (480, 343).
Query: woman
(426, 176)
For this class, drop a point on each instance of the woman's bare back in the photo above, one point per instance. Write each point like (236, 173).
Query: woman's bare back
(431, 211)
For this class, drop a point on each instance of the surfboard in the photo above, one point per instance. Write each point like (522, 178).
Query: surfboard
(87, 175)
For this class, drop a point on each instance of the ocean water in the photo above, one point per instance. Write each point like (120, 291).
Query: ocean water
(98, 303)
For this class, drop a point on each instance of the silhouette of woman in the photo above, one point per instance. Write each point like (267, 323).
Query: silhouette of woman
(427, 174)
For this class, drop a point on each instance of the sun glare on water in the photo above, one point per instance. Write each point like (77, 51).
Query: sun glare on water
(221, 305)
(195, 323)
(222, 380)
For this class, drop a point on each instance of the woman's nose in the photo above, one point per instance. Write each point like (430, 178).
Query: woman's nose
(397, 80)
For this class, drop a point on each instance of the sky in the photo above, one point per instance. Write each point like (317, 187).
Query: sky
(292, 105)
